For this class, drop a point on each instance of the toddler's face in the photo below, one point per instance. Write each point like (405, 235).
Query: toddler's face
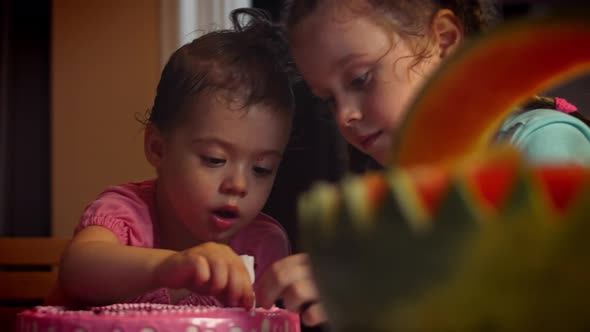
(364, 71)
(219, 165)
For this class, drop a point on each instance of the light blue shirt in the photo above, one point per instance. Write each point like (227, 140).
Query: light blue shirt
(547, 136)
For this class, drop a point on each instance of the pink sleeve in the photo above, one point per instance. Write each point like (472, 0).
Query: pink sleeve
(266, 240)
(274, 245)
(124, 213)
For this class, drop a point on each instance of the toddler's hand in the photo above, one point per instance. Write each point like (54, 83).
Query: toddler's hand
(210, 268)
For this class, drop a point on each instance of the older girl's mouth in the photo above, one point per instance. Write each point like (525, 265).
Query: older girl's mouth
(367, 141)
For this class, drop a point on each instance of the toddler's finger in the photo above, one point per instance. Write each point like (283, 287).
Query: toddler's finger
(202, 273)
(248, 299)
(239, 286)
(219, 277)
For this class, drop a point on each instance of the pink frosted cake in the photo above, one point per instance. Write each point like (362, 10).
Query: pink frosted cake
(148, 317)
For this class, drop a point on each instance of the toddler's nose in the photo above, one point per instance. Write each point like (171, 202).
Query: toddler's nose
(235, 184)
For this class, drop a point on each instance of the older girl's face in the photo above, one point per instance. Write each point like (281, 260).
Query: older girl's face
(366, 73)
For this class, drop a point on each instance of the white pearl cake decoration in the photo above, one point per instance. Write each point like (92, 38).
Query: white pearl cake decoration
(150, 317)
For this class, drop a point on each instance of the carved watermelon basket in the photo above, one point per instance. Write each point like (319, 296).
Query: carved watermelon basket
(462, 236)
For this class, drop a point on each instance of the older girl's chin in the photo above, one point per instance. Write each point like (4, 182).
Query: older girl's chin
(381, 152)
(381, 159)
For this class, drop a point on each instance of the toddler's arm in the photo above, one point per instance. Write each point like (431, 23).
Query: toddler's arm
(97, 270)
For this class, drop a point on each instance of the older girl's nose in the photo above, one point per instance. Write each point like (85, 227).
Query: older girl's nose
(347, 113)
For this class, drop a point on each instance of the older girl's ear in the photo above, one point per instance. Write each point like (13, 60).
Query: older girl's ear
(447, 32)
(153, 145)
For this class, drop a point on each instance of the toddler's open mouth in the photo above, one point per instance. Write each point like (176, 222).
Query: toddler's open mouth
(225, 216)
(227, 212)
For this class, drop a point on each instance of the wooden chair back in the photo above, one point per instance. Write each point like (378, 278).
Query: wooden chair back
(28, 271)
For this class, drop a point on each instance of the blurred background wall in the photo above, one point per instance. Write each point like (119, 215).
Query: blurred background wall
(104, 70)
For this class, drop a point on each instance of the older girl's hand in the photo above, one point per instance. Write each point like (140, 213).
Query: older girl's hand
(291, 281)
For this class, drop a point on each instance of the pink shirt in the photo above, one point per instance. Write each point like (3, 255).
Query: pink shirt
(128, 211)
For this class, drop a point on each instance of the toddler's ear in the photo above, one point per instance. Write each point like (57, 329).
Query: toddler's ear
(447, 31)
(153, 145)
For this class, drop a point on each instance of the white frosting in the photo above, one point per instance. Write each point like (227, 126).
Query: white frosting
(249, 263)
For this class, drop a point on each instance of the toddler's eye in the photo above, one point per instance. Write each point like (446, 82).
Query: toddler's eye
(360, 81)
(212, 161)
(262, 171)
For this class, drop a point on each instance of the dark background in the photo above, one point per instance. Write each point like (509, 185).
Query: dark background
(24, 118)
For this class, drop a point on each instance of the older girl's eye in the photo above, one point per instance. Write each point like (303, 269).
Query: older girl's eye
(262, 171)
(360, 81)
(212, 161)
(327, 104)
(330, 101)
